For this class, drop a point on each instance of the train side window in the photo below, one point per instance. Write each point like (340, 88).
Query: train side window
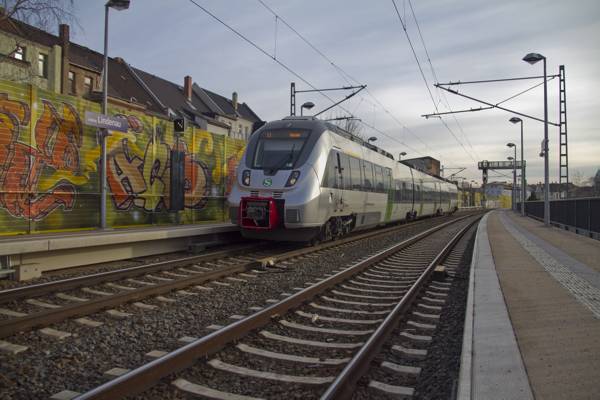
(368, 176)
(405, 192)
(346, 173)
(331, 169)
(387, 179)
(419, 195)
(378, 183)
(356, 173)
(397, 192)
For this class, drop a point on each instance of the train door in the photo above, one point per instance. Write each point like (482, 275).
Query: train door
(338, 195)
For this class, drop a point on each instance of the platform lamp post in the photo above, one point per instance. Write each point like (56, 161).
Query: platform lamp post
(308, 105)
(533, 58)
(514, 185)
(117, 5)
(514, 120)
(371, 139)
(401, 155)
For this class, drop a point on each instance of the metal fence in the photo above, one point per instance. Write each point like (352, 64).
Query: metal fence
(582, 215)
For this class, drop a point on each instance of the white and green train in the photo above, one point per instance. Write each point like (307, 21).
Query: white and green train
(303, 179)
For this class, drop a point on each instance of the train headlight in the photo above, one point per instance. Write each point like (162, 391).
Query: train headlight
(246, 177)
(293, 178)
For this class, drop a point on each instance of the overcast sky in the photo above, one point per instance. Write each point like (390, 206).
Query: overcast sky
(466, 40)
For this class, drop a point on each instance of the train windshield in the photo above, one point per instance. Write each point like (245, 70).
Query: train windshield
(279, 149)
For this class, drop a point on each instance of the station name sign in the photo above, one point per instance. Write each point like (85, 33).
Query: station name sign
(106, 121)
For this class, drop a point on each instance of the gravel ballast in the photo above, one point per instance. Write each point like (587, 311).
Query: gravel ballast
(78, 362)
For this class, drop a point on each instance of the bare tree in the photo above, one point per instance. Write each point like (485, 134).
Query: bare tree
(349, 124)
(44, 14)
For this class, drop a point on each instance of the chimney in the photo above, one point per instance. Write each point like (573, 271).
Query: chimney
(234, 101)
(187, 87)
(63, 35)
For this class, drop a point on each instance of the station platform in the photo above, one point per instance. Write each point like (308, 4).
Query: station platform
(27, 257)
(532, 328)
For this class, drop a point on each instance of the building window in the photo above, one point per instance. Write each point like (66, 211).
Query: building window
(43, 65)
(19, 53)
(71, 82)
(87, 84)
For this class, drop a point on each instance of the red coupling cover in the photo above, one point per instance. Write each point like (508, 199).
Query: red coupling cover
(266, 206)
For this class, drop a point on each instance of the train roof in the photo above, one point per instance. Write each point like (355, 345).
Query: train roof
(313, 123)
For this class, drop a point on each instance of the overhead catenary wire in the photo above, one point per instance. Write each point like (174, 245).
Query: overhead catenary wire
(346, 76)
(441, 94)
(425, 81)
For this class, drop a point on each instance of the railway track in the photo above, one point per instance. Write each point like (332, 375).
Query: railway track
(37, 306)
(315, 343)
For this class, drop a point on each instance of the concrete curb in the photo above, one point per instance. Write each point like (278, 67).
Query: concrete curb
(491, 364)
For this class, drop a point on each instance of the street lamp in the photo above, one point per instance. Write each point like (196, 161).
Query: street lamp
(371, 139)
(533, 58)
(514, 120)
(117, 5)
(514, 186)
(308, 105)
(402, 155)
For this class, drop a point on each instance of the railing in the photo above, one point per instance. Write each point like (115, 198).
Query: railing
(583, 215)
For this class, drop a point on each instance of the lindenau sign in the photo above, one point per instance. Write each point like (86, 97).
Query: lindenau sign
(105, 121)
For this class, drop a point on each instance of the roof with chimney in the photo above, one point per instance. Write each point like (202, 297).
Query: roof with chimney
(136, 86)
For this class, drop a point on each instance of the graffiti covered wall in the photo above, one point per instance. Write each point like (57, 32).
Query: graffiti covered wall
(49, 176)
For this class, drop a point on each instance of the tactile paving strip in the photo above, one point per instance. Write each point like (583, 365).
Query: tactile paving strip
(581, 289)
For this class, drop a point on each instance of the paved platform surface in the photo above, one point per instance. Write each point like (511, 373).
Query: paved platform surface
(68, 240)
(533, 326)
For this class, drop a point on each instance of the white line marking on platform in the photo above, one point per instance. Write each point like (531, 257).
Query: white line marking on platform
(311, 380)
(332, 345)
(204, 391)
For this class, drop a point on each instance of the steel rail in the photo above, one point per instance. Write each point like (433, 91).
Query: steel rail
(143, 377)
(343, 386)
(110, 276)
(44, 318)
